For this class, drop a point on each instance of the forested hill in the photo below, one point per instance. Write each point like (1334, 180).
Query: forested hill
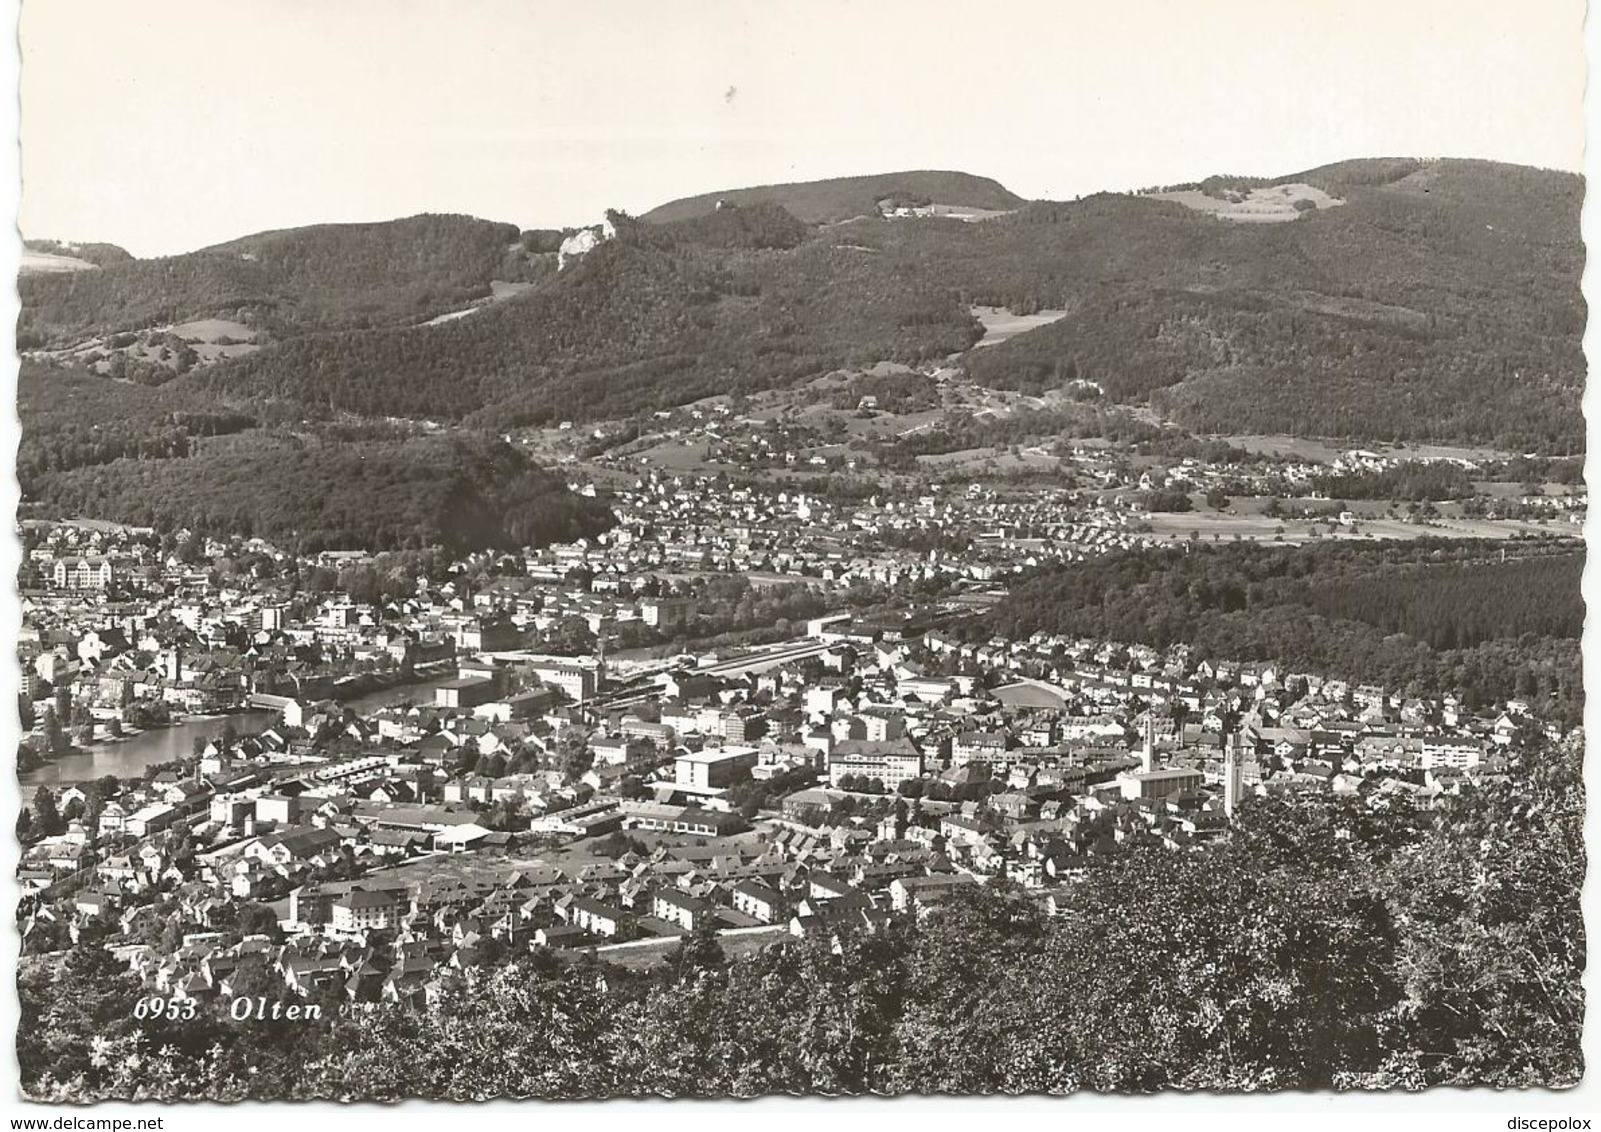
(329, 276)
(1441, 303)
(328, 491)
(1422, 617)
(653, 318)
(843, 198)
(1431, 301)
(102, 449)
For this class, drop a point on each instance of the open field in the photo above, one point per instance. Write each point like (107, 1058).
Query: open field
(499, 290)
(1275, 203)
(879, 423)
(449, 316)
(643, 954)
(44, 263)
(992, 460)
(212, 340)
(963, 212)
(1209, 525)
(211, 330)
(679, 456)
(1001, 324)
(216, 338)
(1323, 451)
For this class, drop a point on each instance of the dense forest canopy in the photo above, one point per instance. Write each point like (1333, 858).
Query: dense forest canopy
(1409, 481)
(1440, 302)
(647, 320)
(842, 198)
(302, 279)
(1426, 617)
(1441, 305)
(314, 490)
(72, 419)
(759, 225)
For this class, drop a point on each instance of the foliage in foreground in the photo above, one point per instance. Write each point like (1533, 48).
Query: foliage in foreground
(1324, 945)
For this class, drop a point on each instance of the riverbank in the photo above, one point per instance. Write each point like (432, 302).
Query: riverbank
(130, 756)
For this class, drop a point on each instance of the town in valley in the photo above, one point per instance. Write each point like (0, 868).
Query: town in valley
(879, 635)
(754, 712)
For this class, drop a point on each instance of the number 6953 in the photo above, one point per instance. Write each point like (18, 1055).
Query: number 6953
(172, 1009)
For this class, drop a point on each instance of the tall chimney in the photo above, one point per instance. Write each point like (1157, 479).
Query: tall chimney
(1148, 751)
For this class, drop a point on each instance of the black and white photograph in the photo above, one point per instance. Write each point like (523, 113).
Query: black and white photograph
(803, 550)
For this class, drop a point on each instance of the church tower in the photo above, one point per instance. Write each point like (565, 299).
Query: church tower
(1232, 774)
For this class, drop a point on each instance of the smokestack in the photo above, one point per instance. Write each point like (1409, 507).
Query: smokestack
(1148, 751)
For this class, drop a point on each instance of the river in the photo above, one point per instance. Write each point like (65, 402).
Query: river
(128, 758)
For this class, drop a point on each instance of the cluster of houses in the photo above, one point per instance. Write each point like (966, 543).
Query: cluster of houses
(508, 798)
(437, 931)
(687, 521)
(875, 768)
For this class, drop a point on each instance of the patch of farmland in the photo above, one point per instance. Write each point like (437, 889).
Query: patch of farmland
(995, 461)
(47, 263)
(210, 339)
(1212, 526)
(499, 291)
(1001, 324)
(1326, 450)
(212, 331)
(1275, 203)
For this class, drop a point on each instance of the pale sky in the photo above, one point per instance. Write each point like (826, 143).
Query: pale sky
(166, 125)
